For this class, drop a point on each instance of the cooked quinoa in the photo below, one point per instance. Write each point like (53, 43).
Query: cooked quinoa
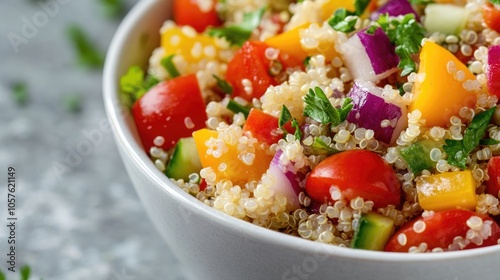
(336, 220)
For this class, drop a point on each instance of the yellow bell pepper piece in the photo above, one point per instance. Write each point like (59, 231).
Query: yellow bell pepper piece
(233, 168)
(289, 42)
(445, 191)
(441, 94)
(187, 42)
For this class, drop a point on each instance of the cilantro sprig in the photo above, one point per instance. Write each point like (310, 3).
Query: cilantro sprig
(285, 117)
(319, 108)
(239, 33)
(459, 150)
(135, 84)
(338, 20)
(406, 34)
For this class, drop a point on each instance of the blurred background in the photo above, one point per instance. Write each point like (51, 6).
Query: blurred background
(78, 216)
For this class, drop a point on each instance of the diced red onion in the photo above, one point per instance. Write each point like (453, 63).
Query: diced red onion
(371, 111)
(493, 70)
(370, 57)
(395, 8)
(285, 182)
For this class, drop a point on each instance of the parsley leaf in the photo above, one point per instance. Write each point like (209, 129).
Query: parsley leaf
(239, 33)
(87, 52)
(223, 85)
(425, 2)
(360, 6)
(20, 93)
(169, 65)
(236, 108)
(489, 142)
(285, 117)
(319, 108)
(2, 276)
(321, 148)
(407, 34)
(134, 84)
(25, 272)
(338, 22)
(113, 8)
(73, 103)
(458, 150)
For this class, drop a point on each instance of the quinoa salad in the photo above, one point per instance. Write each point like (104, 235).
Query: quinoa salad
(370, 124)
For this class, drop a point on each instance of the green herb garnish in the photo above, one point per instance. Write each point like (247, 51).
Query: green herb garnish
(169, 65)
(87, 52)
(20, 93)
(73, 103)
(285, 117)
(425, 2)
(113, 8)
(239, 33)
(338, 22)
(134, 84)
(319, 108)
(459, 150)
(223, 85)
(406, 34)
(236, 108)
(321, 148)
(25, 272)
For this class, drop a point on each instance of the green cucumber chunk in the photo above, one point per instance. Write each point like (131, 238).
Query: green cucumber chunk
(417, 156)
(373, 232)
(445, 18)
(184, 161)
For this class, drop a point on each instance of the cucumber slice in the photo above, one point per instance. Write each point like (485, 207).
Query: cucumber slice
(417, 156)
(373, 232)
(184, 161)
(445, 18)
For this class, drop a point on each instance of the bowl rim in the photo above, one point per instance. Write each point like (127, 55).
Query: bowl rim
(125, 139)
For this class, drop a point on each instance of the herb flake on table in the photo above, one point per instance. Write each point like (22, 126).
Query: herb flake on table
(87, 52)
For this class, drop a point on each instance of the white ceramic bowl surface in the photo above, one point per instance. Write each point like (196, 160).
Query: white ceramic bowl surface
(213, 245)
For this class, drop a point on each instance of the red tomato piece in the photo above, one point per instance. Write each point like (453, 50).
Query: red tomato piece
(172, 109)
(250, 63)
(188, 12)
(493, 184)
(264, 127)
(491, 17)
(356, 173)
(493, 70)
(440, 230)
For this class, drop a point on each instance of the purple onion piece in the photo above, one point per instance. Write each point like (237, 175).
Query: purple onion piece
(395, 8)
(285, 182)
(370, 110)
(380, 51)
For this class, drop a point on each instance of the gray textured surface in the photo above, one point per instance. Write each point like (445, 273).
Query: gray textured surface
(86, 222)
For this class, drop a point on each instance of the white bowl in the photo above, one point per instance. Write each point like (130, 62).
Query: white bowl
(214, 245)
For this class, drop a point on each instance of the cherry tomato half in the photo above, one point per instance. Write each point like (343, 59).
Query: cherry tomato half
(356, 173)
(493, 184)
(189, 12)
(491, 16)
(439, 231)
(172, 109)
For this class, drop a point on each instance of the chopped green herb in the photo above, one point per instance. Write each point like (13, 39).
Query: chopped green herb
(285, 117)
(406, 34)
(338, 22)
(321, 148)
(426, 2)
(20, 93)
(236, 108)
(2, 276)
(240, 33)
(458, 150)
(489, 142)
(113, 8)
(169, 65)
(223, 85)
(87, 52)
(360, 6)
(73, 103)
(306, 61)
(133, 84)
(25, 272)
(319, 108)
